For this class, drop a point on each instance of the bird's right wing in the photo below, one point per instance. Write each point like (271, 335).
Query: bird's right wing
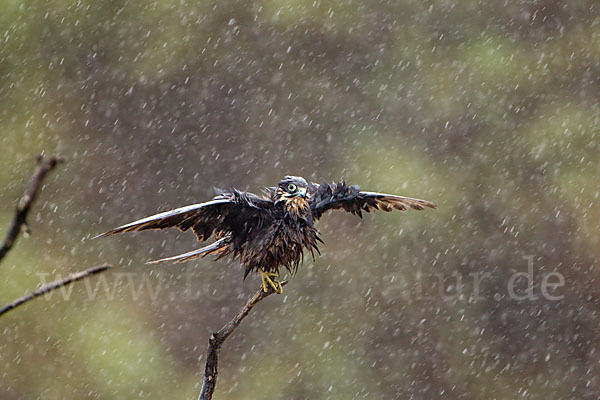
(226, 213)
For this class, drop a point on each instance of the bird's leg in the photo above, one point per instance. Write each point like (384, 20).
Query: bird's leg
(267, 281)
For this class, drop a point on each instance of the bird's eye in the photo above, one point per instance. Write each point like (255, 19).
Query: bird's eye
(291, 187)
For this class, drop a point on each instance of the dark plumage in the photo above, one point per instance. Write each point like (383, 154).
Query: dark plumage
(269, 231)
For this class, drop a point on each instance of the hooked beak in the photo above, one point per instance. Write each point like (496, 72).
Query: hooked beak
(302, 193)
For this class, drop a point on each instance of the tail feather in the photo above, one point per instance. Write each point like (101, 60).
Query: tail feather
(218, 248)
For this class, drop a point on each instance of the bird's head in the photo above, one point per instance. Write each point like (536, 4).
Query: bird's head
(292, 191)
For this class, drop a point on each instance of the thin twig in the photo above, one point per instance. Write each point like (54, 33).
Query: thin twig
(24, 205)
(216, 341)
(54, 285)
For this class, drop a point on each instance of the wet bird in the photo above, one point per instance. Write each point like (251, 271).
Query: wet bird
(271, 230)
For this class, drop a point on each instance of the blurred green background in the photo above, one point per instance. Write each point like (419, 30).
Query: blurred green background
(489, 108)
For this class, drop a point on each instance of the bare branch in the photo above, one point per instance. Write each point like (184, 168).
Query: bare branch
(24, 205)
(54, 285)
(216, 341)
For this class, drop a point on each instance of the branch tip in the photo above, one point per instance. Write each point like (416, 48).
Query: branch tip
(44, 166)
(55, 285)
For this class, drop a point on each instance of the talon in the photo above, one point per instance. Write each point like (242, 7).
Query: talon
(267, 281)
(264, 281)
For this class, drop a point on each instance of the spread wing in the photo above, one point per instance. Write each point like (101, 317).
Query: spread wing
(232, 212)
(340, 196)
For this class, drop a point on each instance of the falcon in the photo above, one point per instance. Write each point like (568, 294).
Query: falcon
(268, 231)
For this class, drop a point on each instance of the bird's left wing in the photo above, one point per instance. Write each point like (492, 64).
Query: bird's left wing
(223, 214)
(340, 196)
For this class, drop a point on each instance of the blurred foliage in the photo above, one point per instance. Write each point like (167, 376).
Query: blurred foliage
(491, 109)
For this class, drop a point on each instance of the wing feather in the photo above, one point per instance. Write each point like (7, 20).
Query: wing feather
(216, 248)
(177, 217)
(226, 213)
(351, 199)
(389, 202)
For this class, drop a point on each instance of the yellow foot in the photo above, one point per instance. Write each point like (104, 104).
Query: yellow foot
(267, 281)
